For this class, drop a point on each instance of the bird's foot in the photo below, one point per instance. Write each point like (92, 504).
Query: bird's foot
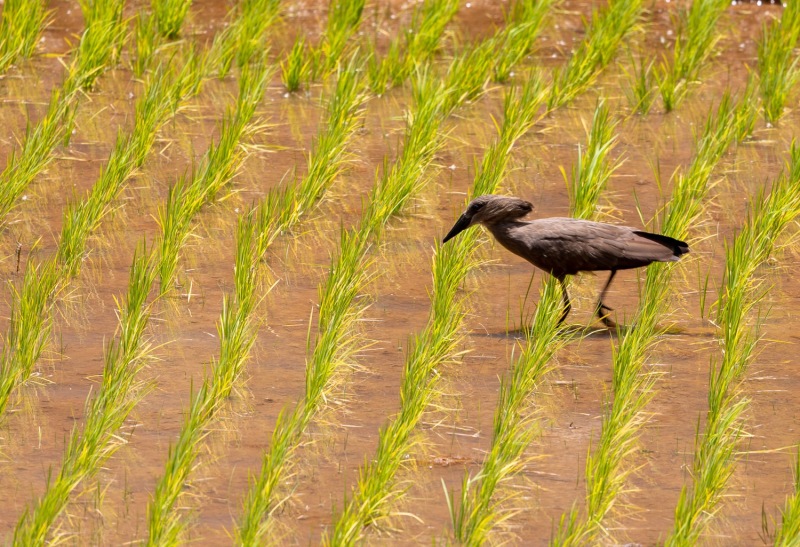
(604, 313)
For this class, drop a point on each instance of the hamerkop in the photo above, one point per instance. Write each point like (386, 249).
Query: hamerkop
(566, 246)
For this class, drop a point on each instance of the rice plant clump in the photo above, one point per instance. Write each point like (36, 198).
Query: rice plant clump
(696, 37)
(778, 67)
(604, 34)
(169, 16)
(20, 27)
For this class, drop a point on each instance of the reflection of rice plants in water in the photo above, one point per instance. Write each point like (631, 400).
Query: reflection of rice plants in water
(740, 324)
(256, 230)
(20, 27)
(607, 468)
(98, 48)
(438, 343)
(778, 69)
(696, 38)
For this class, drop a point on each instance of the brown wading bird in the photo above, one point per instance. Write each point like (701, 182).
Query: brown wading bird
(566, 246)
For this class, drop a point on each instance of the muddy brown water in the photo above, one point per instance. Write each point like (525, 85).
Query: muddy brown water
(455, 434)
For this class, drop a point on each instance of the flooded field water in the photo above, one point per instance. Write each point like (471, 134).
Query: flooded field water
(455, 433)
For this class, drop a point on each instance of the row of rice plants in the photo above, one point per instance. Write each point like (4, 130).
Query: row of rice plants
(438, 343)
(339, 311)
(98, 48)
(21, 25)
(696, 37)
(305, 63)
(604, 34)
(120, 390)
(32, 306)
(742, 290)
(280, 211)
(632, 388)
(778, 68)
(106, 412)
(412, 46)
(242, 38)
(214, 171)
(478, 511)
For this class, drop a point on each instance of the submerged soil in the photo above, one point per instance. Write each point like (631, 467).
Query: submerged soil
(457, 432)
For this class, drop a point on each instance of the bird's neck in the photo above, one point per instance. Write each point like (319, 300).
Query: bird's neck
(500, 230)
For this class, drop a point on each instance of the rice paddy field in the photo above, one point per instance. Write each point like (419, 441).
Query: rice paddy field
(227, 316)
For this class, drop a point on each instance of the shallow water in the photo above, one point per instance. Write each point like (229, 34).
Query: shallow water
(454, 435)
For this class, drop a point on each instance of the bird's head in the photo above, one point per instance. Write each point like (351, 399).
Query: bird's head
(488, 210)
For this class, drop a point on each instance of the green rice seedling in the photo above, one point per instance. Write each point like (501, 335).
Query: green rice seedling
(696, 37)
(245, 38)
(641, 90)
(29, 328)
(438, 343)
(777, 65)
(421, 40)
(20, 27)
(604, 34)
(344, 17)
(98, 46)
(106, 412)
(789, 529)
(237, 334)
(339, 310)
(632, 388)
(146, 36)
(169, 16)
(216, 169)
(715, 451)
(279, 212)
(525, 22)
(32, 307)
(590, 174)
(296, 69)
(477, 511)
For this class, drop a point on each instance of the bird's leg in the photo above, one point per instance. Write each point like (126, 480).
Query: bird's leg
(567, 305)
(602, 309)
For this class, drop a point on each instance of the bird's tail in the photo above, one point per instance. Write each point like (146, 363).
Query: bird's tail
(677, 246)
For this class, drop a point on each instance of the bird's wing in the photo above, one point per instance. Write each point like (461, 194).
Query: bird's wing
(569, 246)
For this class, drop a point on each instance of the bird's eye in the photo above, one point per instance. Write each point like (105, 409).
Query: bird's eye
(475, 207)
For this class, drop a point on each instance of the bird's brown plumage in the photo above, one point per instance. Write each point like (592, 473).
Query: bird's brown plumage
(566, 246)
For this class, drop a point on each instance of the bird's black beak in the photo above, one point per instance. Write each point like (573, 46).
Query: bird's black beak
(461, 224)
